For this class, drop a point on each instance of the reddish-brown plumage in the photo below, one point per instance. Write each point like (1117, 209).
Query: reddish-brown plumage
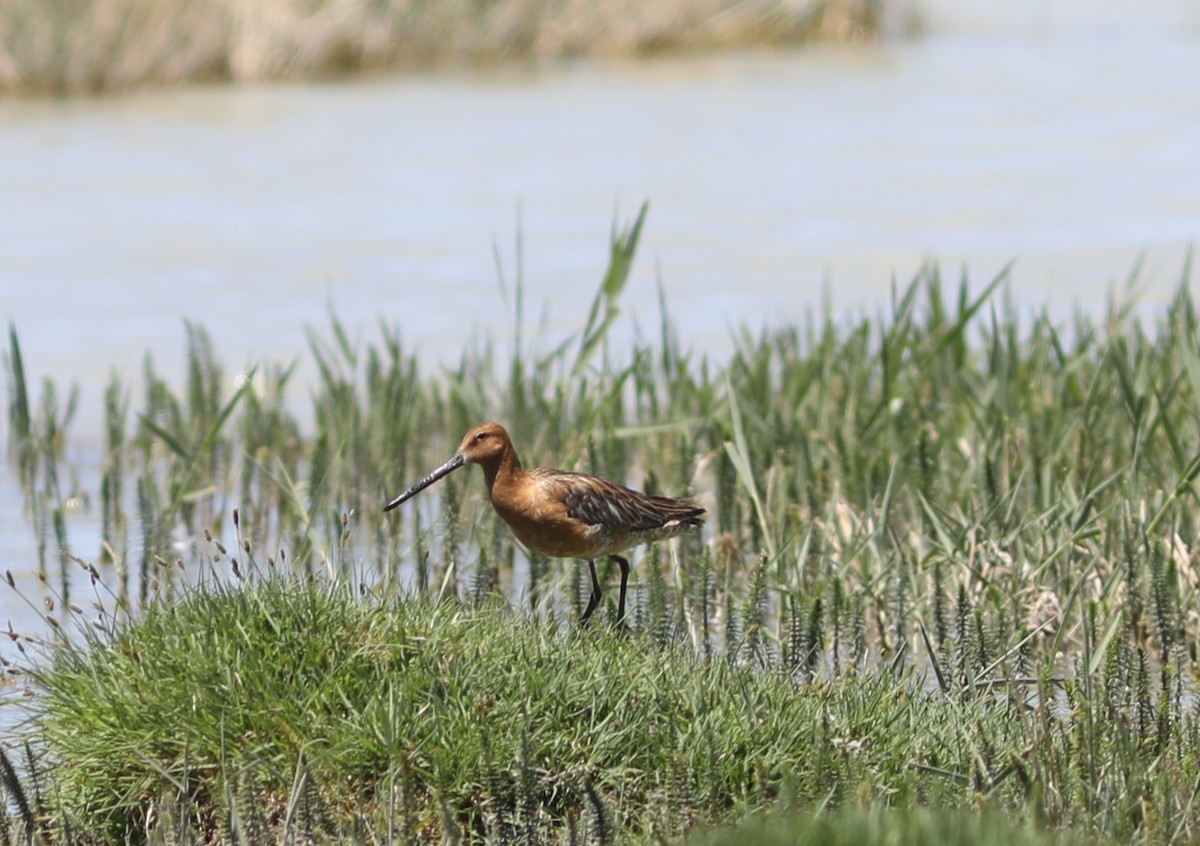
(562, 514)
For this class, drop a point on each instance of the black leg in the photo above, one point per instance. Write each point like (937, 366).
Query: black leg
(595, 600)
(624, 581)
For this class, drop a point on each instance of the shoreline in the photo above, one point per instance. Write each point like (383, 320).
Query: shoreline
(122, 45)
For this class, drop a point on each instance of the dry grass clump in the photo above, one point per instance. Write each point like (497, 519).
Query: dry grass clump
(73, 47)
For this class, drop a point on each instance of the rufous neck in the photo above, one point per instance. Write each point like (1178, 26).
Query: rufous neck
(504, 469)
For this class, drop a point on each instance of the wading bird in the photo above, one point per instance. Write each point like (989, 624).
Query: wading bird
(562, 514)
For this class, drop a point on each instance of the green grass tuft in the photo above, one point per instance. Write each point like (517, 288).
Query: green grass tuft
(881, 826)
(427, 714)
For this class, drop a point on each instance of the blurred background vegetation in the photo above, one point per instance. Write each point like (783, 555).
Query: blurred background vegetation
(98, 46)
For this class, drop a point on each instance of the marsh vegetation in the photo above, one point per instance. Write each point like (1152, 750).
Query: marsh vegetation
(948, 584)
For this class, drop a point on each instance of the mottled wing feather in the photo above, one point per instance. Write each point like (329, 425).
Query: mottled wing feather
(616, 508)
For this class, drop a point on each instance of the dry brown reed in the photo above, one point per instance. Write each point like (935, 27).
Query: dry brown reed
(70, 47)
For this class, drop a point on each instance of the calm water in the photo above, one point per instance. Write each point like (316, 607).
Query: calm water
(1063, 135)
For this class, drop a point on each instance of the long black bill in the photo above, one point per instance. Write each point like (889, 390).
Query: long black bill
(447, 468)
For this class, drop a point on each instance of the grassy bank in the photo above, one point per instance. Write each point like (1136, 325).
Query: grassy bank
(304, 710)
(950, 563)
(61, 47)
(286, 711)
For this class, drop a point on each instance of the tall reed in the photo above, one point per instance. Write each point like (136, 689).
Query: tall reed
(957, 501)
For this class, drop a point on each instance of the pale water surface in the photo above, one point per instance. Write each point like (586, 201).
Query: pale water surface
(1062, 135)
